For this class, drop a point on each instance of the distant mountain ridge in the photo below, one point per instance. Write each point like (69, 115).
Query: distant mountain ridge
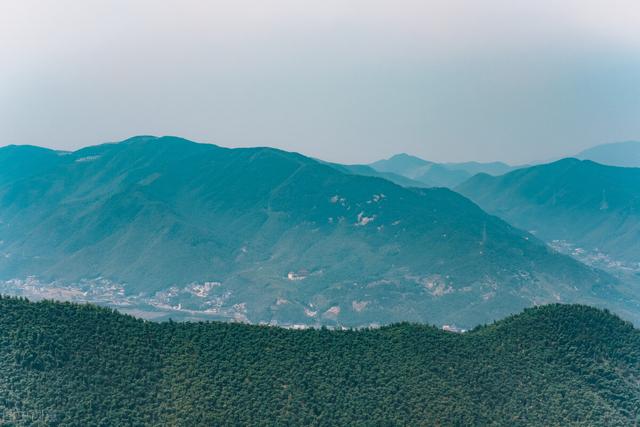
(263, 235)
(366, 170)
(580, 201)
(625, 154)
(437, 174)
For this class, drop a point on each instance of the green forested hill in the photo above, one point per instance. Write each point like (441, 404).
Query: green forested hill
(586, 203)
(64, 364)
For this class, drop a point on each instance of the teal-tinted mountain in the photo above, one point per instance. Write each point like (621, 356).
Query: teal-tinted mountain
(265, 235)
(367, 170)
(432, 174)
(591, 205)
(625, 154)
(64, 364)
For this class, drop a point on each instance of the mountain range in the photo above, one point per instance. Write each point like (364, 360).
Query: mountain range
(66, 364)
(432, 174)
(366, 170)
(168, 227)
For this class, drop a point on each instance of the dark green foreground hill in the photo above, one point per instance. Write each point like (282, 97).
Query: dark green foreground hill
(65, 364)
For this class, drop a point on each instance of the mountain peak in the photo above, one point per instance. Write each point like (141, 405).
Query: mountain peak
(584, 203)
(437, 174)
(564, 161)
(402, 164)
(165, 139)
(624, 153)
(408, 158)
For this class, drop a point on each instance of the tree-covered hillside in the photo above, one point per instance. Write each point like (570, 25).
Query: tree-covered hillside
(196, 230)
(65, 364)
(591, 205)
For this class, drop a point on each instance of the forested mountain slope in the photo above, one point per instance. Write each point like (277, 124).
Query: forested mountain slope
(258, 234)
(64, 364)
(591, 205)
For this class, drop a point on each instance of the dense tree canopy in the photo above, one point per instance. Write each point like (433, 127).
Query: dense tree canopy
(66, 364)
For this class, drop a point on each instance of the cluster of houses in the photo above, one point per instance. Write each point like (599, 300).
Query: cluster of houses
(299, 275)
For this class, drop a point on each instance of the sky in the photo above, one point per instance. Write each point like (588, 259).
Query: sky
(342, 80)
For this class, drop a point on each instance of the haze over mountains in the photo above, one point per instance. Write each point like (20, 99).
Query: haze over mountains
(425, 173)
(626, 154)
(432, 174)
(367, 170)
(566, 203)
(165, 225)
(318, 273)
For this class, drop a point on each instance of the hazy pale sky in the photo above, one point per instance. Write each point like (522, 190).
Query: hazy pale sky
(350, 81)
